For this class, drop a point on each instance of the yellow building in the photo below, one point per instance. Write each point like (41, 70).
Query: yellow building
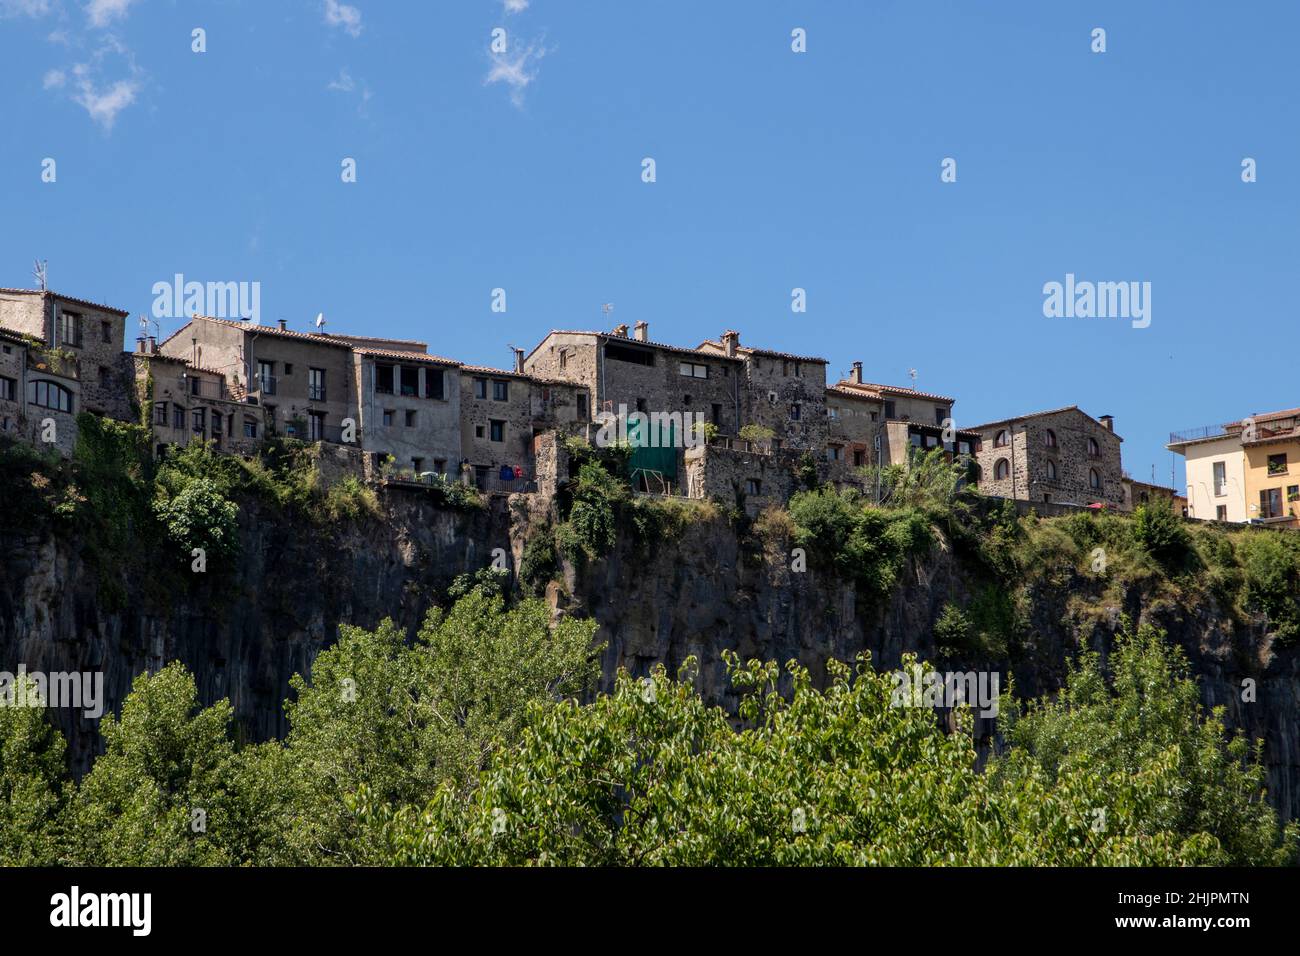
(1246, 470)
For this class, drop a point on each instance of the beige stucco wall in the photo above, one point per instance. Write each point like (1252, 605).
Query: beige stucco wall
(1202, 502)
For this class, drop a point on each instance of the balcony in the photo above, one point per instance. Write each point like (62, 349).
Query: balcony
(1197, 434)
(316, 393)
(266, 384)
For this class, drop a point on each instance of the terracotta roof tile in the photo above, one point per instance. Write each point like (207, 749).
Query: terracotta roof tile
(67, 298)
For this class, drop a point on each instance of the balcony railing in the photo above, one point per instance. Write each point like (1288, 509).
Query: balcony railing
(1197, 434)
(316, 393)
(266, 384)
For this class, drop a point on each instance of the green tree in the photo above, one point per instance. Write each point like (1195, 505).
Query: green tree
(201, 517)
(162, 792)
(31, 779)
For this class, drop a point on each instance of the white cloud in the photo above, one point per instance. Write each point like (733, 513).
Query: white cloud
(54, 79)
(517, 69)
(516, 6)
(25, 8)
(103, 12)
(342, 15)
(344, 83)
(104, 103)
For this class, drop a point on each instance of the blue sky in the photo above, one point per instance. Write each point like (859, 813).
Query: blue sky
(775, 170)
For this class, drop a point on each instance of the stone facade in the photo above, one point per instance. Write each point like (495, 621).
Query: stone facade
(1064, 456)
(409, 410)
(744, 476)
(783, 392)
(1137, 493)
(184, 404)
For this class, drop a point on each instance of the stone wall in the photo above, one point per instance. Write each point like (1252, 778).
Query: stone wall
(753, 479)
(432, 440)
(1032, 459)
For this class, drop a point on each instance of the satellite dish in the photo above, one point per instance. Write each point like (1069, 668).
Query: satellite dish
(320, 320)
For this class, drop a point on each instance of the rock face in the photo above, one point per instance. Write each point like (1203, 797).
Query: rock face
(244, 633)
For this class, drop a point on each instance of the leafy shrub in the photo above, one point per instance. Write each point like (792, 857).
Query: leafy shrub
(201, 517)
(954, 631)
(539, 563)
(1269, 563)
(351, 499)
(1160, 533)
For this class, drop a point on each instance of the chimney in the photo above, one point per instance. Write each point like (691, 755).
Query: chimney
(519, 361)
(642, 331)
(284, 326)
(856, 375)
(153, 345)
(621, 330)
(1108, 421)
(730, 342)
(140, 344)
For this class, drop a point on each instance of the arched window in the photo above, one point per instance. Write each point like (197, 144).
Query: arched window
(1094, 478)
(1002, 469)
(1049, 438)
(1094, 450)
(49, 395)
(1051, 471)
(1001, 440)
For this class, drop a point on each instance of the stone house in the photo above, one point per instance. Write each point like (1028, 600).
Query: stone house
(874, 424)
(409, 408)
(782, 391)
(71, 361)
(502, 412)
(1138, 493)
(1063, 456)
(185, 403)
(303, 382)
(612, 373)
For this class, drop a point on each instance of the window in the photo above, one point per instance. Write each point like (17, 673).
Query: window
(753, 486)
(1051, 471)
(859, 458)
(1002, 469)
(481, 477)
(889, 409)
(160, 413)
(584, 406)
(417, 465)
(433, 383)
(875, 416)
(288, 368)
(216, 424)
(316, 384)
(1094, 479)
(178, 418)
(640, 405)
(940, 414)
(49, 395)
(250, 427)
(198, 420)
(794, 412)
(383, 380)
(440, 465)
(269, 411)
(1094, 450)
(693, 370)
(410, 381)
(1221, 513)
(194, 384)
(315, 426)
(388, 418)
(1277, 464)
(500, 390)
(9, 388)
(623, 353)
(1049, 438)
(479, 431)
(564, 358)
(1220, 479)
(106, 332)
(480, 388)
(715, 414)
(1270, 502)
(835, 453)
(1001, 439)
(410, 418)
(70, 329)
(498, 430)
(266, 377)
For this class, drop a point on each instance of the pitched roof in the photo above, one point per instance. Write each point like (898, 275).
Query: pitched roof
(400, 356)
(621, 339)
(14, 335)
(273, 330)
(870, 388)
(67, 298)
(1050, 411)
(767, 353)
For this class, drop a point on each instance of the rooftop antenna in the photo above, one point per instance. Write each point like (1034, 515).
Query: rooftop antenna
(320, 321)
(912, 373)
(607, 308)
(39, 271)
